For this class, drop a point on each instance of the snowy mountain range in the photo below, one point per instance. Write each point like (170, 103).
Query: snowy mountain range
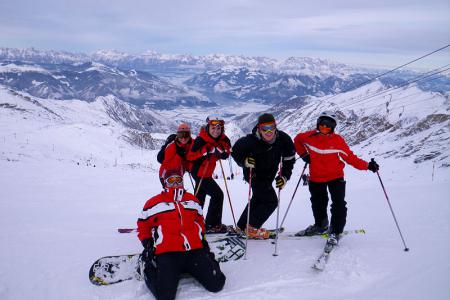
(414, 122)
(86, 81)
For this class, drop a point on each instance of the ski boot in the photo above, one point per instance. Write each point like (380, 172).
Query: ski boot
(221, 228)
(314, 229)
(257, 234)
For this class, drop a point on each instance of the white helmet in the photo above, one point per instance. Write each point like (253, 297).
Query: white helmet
(329, 118)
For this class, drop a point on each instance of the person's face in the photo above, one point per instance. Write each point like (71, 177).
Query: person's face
(267, 131)
(215, 130)
(183, 137)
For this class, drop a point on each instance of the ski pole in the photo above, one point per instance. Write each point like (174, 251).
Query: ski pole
(201, 178)
(248, 210)
(275, 253)
(192, 183)
(293, 195)
(392, 211)
(228, 193)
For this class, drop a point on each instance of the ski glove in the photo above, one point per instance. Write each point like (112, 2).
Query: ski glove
(250, 162)
(306, 158)
(148, 254)
(280, 182)
(207, 249)
(373, 166)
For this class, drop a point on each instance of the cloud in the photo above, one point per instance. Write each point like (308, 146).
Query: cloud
(261, 27)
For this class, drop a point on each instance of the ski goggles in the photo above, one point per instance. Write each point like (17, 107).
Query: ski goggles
(216, 123)
(268, 127)
(174, 180)
(183, 134)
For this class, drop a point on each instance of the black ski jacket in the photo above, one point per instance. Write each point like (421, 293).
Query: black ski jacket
(267, 156)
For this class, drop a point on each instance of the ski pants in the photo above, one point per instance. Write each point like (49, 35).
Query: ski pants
(162, 280)
(319, 203)
(262, 204)
(210, 187)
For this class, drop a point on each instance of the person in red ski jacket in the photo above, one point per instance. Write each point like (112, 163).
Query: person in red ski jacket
(326, 152)
(173, 156)
(210, 145)
(171, 228)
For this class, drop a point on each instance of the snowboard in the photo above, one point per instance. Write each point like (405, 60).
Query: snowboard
(114, 269)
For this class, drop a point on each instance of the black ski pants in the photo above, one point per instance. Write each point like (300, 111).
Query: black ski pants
(262, 204)
(319, 203)
(163, 279)
(210, 187)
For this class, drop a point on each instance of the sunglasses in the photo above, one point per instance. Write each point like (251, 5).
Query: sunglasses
(268, 127)
(183, 134)
(174, 180)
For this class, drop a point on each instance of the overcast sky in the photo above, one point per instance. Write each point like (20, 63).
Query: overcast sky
(372, 33)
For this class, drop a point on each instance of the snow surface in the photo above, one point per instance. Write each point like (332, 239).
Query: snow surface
(57, 217)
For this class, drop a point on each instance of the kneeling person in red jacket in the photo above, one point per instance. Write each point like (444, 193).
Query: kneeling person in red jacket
(326, 152)
(171, 229)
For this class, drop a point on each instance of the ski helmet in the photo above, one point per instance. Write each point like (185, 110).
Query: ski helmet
(215, 120)
(328, 119)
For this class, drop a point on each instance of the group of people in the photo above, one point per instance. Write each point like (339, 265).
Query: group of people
(172, 228)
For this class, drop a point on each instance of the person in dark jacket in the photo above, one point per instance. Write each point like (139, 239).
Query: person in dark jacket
(210, 146)
(326, 152)
(270, 153)
(172, 231)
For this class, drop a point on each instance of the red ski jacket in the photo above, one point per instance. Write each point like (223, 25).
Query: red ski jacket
(327, 153)
(175, 158)
(174, 220)
(204, 163)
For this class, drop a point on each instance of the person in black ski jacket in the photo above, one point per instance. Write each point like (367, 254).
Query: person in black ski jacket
(262, 151)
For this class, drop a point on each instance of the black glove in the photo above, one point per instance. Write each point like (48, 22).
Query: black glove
(207, 249)
(280, 182)
(306, 158)
(148, 255)
(373, 166)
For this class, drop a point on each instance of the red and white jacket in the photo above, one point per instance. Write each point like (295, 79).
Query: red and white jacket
(327, 155)
(174, 220)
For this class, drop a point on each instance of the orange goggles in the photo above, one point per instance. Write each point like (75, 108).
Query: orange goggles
(216, 123)
(268, 127)
(174, 180)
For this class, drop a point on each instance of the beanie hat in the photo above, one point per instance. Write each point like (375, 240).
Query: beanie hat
(183, 127)
(266, 118)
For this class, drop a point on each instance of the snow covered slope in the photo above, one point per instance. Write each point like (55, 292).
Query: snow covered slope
(106, 131)
(57, 217)
(383, 122)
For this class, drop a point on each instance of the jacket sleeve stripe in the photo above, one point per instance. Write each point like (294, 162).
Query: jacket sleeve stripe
(156, 209)
(325, 151)
(289, 157)
(190, 204)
